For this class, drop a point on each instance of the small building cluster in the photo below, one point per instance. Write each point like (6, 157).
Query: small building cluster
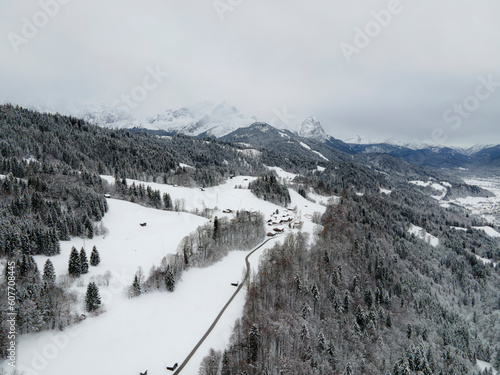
(279, 221)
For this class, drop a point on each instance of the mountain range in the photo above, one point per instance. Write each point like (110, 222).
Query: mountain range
(221, 120)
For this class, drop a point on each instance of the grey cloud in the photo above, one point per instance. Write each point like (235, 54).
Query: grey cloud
(264, 56)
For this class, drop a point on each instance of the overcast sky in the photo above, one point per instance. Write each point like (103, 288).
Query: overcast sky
(426, 70)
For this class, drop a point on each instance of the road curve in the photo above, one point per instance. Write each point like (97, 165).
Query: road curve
(247, 275)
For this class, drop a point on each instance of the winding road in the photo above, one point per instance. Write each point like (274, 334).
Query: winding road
(247, 275)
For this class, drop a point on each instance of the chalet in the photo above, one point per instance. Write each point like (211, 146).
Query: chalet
(107, 195)
(279, 230)
(143, 224)
(235, 284)
(271, 234)
(172, 368)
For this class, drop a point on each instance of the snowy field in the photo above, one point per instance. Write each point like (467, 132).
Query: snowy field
(439, 188)
(485, 365)
(228, 196)
(423, 235)
(154, 330)
(488, 207)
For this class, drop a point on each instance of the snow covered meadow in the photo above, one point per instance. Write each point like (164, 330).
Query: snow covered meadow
(488, 207)
(154, 330)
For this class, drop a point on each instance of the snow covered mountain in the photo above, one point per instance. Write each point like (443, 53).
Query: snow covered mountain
(106, 116)
(359, 140)
(203, 118)
(312, 129)
(384, 144)
(476, 149)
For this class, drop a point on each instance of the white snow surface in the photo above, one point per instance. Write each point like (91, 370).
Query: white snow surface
(489, 231)
(485, 365)
(182, 165)
(320, 155)
(282, 173)
(486, 260)
(423, 235)
(159, 329)
(435, 186)
(305, 146)
(250, 152)
(316, 152)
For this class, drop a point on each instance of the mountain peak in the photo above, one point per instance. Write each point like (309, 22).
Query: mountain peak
(312, 129)
(262, 126)
(201, 118)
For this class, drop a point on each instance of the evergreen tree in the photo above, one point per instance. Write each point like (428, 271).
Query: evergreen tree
(401, 367)
(136, 287)
(225, 364)
(167, 201)
(28, 268)
(92, 298)
(216, 228)
(346, 302)
(169, 279)
(84, 263)
(49, 274)
(321, 342)
(74, 265)
(253, 343)
(348, 369)
(94, 257)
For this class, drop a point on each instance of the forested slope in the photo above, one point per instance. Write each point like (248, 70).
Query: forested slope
(370, 298)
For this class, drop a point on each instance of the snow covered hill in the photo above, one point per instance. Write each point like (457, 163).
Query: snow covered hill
(154, 330)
